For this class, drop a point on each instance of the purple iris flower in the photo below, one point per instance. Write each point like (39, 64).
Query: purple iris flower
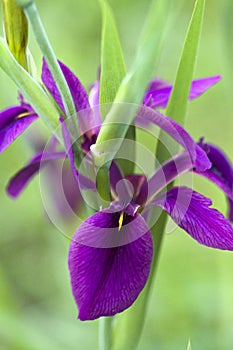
(111, 252)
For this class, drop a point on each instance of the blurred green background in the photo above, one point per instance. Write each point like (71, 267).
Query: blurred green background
(193, 292)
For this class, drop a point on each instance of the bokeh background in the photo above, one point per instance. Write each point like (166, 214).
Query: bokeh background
(193, 292)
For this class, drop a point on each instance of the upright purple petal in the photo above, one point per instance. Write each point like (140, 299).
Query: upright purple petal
(76, 88)
(106, 281)
(22, 178)
(13, 122)
(220, 173)
(157, 95)
(198, 156)
(78, 93)
(191, 211)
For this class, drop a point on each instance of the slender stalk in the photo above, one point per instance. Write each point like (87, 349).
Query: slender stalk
(32, 14)
(46, 49)
(105, 331)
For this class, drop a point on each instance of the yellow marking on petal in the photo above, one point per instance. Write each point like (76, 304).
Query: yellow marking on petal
(121, 218)
(22, 115)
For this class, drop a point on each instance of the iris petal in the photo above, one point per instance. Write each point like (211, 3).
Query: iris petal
(220, 173)
(78, 93)
(177, 132)
(23, 176)
(106, 281)
(191, 211)
(12, 125)
(159, 92)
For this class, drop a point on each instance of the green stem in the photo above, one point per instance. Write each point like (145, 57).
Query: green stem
(105, 333)
(32, 14)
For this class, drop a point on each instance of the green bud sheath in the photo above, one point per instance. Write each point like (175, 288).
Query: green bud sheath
(16, 30)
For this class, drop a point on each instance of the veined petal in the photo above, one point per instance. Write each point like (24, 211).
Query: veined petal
(106, 281)
(13, 122)
(8, 115)
(76, 88)
(198, 156)
(78, 93)
(22, 178)
(220, 173)
(158, 95)
(191, 211)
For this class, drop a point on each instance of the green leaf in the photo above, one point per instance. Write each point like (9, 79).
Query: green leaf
(134, 84)
(112, 60)
(178, 101)
(112, 73)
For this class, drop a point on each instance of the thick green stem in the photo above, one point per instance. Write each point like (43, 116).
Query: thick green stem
(105, 333)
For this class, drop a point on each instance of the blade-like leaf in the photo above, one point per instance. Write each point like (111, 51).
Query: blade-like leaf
(112, 59)
(134, 84)
(112, 73)
(178, 101)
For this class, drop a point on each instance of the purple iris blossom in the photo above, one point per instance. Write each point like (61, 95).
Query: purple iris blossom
(111, 252)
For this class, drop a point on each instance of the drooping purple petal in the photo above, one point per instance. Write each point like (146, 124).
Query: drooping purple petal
(157, 96)
(78, 93)
(198, 156)
(106, 281)
(220, 173)
(13, 122)
(22, 178)
(191, 211)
